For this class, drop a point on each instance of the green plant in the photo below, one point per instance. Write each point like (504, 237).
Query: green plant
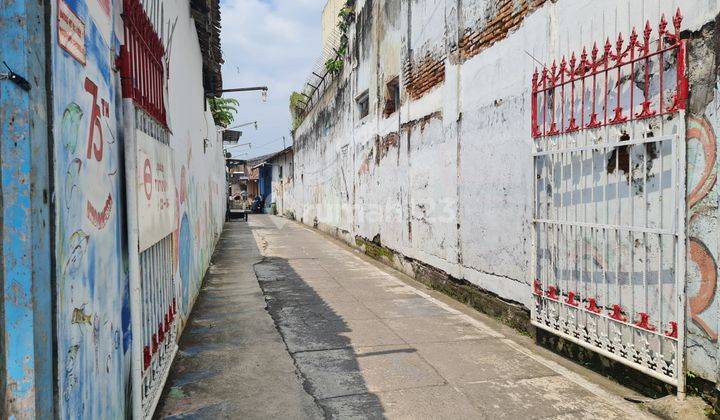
(334, 65)
(223, 110)
(296, 109)
(345, 19)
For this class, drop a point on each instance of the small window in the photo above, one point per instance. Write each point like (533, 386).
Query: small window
(392, 97)
(363, 105)
(280, 171)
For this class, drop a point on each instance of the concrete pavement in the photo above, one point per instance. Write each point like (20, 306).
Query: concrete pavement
(343, 337)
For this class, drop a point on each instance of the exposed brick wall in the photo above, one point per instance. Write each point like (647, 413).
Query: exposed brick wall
(428, 72)
(390, 141)
(509, 15)
(423, 76)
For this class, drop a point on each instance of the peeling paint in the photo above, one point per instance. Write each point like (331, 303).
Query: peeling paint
(458, 197)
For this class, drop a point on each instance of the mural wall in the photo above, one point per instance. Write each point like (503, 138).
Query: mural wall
(703, 234)
(93, 317)
(93, 309)
(199, 162)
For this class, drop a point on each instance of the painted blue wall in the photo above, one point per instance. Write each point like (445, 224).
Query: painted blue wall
(265, 184)
(92, 291)
(25, 253)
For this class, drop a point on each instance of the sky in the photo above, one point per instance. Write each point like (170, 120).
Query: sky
(271, 43)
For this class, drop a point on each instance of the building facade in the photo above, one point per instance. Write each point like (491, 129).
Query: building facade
(282, 181)
(433, 150)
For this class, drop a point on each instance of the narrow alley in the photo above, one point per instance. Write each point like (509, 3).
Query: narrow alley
(317, 330)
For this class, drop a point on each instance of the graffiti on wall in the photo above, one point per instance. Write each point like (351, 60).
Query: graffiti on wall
(702, 245)
(93, 321)
(199, 219)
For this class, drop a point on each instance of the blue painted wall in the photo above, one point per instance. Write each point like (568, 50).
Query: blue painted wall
(92, 315)
(265, 184)
(25, 310)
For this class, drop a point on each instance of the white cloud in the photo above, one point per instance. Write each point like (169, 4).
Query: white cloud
(273, 43)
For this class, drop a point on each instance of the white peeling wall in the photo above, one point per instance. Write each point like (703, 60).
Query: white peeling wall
(197, 149)
(448, 179)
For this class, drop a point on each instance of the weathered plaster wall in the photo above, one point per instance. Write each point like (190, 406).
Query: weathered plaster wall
(199, 162)
(26, 358)
(282, 182)
(93, 303)
(703, 231)
(447, 180)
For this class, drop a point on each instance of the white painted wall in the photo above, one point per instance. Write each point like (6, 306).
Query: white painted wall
(282, 182)
(199, 161)
(456, 190)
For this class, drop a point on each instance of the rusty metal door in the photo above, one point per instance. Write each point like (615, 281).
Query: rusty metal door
(609, 199)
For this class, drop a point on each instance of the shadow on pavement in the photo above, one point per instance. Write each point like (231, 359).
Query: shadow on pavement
(316, 337)
(231, 361)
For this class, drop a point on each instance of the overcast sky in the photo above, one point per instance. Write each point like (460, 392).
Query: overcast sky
(272, 43)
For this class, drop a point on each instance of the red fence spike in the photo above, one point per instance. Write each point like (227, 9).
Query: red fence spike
(673, 333)
(617, 313)
(537, 288)
(644, 322)
(633, 38)
(552, 293)
(571, 299)
(147, 357)
(608, 46)
(663, 25)
(677, 20)
(592, 306)
(615, 97)
(583, 61)
(646, 36)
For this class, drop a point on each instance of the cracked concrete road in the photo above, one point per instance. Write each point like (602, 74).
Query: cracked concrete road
(291, 324)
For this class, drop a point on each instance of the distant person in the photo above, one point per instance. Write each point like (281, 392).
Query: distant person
(257, 204)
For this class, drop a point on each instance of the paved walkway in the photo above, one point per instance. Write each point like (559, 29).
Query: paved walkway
(291, 324)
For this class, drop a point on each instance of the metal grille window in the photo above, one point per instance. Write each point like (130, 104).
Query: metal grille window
(159, 309)
(609, 200)
(141, 62)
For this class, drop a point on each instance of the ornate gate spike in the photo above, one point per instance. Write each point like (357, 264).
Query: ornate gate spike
(644, 322)
(677, 20)
(537, 288)
(609, 80)
(552, 293)
(617, 313)
(571, 299)
(592, 306)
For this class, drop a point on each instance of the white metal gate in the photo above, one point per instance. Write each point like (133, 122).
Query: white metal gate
(151, 205)
(609, 200)
(159, 330)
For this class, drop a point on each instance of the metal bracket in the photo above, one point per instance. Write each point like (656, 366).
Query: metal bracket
(20, 81)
